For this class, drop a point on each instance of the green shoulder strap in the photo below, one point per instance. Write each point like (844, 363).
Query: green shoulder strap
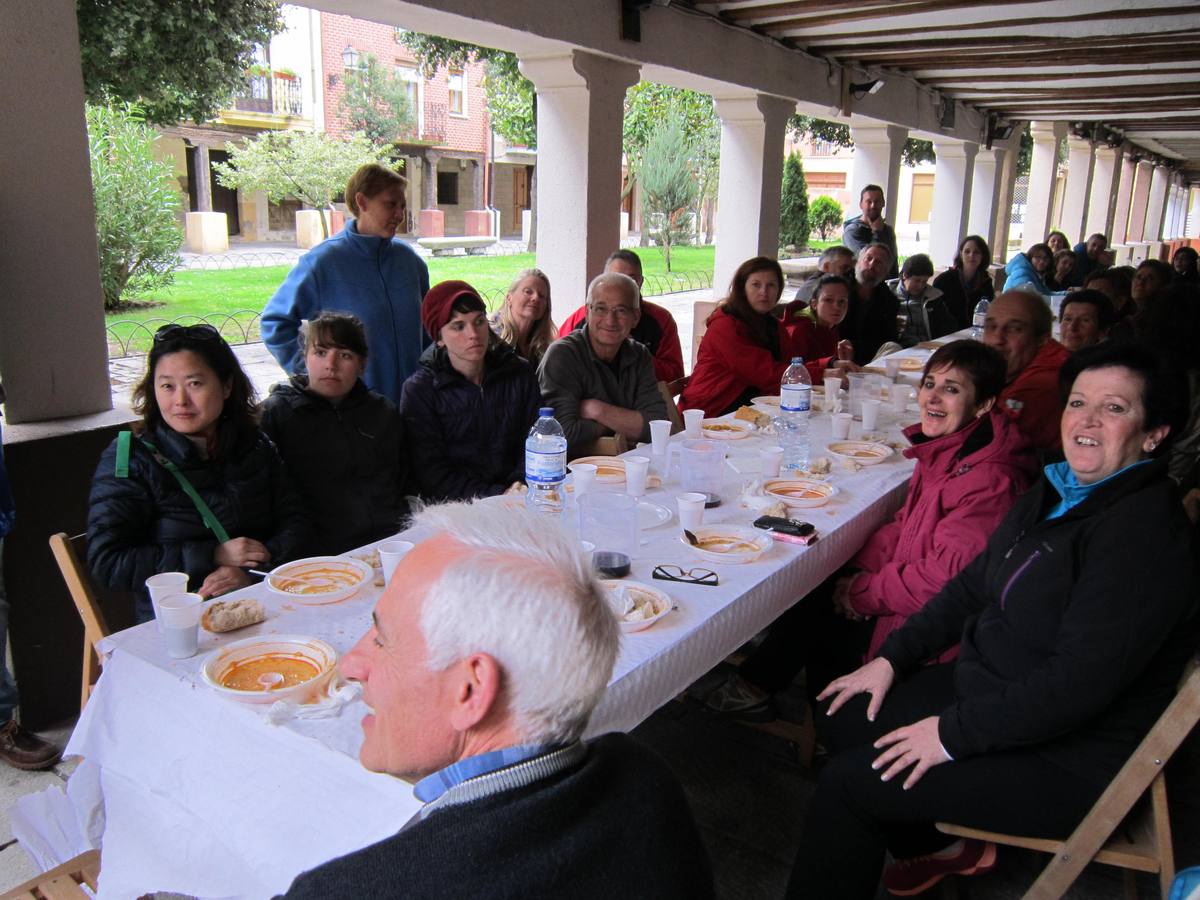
(206, 514)
(123, 454)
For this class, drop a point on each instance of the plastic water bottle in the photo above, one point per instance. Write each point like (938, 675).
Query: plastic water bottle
(979, 318)
(795, 401)
(545, 463)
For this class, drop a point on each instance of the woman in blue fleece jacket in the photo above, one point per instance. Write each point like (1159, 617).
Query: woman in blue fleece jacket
(365, 271)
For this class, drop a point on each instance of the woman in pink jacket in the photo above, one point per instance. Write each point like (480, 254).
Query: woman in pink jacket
(972, 463)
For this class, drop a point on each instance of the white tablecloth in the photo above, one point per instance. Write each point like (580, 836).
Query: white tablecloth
(199, 795)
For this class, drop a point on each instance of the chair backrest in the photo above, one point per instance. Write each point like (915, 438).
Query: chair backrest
(672, 407)
(701, 310)
(69, 553)
(612, 445)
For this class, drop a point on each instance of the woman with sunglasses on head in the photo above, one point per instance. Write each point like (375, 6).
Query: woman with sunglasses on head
(972, 464)
(197, 487)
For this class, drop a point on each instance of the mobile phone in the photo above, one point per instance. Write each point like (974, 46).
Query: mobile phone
(789, 530)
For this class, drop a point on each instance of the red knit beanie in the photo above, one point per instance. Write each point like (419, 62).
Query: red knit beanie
(436, 308)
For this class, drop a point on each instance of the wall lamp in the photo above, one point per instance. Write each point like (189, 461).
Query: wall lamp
(997, 131)
(861, 89)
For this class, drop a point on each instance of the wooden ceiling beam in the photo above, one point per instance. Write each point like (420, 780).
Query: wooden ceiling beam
(1117, 90)
(1015, 60)
(949, 81)
(1011, 44)
(788, 28)
(748, 16)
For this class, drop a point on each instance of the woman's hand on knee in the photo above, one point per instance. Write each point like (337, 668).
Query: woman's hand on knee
(875, 678)
(916, 745)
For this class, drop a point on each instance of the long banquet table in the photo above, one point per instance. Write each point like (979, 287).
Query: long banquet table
(192, 793)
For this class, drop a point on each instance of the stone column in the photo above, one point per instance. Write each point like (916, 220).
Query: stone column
(581, 101)
(877, 156)
(1080, 164)
(203, 179)
(431, 220)
(987, 189)
(751, 179)
(1102, 203)
(1155, 204)
(951, 198)
(1137, 202)
(1043, 171)
(1003, 220)
(53, 351)
(1194, 212)
(1121, 233)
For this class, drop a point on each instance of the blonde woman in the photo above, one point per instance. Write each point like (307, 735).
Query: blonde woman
(524, 318)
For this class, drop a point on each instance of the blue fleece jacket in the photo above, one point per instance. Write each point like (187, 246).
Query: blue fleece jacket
(1018, 271)
(380, 280)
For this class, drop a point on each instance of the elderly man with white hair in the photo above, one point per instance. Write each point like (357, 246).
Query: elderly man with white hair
(598, 379)
(490, 648)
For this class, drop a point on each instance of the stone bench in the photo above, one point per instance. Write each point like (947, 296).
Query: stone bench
(445, 246)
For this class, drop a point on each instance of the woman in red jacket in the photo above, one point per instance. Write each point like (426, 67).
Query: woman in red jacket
(972, 464)
(814, 333)
(745, 351)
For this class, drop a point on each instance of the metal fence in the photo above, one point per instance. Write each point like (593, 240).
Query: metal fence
(253, 259)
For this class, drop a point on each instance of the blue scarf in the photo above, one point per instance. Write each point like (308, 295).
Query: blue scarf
(1072, 492)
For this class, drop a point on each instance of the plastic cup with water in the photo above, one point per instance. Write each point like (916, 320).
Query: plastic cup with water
(691, 510)
(636, 470)
(870, 413)
(180, 618)
(660, 437)
(772, 459)
(841, 425)
(165, 584)
(691, 422)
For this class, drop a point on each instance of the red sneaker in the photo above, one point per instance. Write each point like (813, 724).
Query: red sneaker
(907, 877)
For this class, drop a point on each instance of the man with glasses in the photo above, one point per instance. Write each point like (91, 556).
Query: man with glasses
(1018, 325)
(600, 381)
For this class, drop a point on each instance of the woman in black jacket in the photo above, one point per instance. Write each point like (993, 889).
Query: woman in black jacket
(969, 281)
(198, 427)
(469, 408)
(341, 442)
(1075, 623)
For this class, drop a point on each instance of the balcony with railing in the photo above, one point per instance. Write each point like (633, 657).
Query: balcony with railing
(273, 94)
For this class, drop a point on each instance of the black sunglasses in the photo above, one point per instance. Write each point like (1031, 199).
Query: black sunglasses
(692, 576)
(201, 332)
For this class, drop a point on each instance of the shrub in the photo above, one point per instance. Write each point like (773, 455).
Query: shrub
(669, 187)
(825, 216)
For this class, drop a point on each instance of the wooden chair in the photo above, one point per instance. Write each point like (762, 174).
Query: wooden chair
(701, 310)
(672, 407)
(63, 882)
(68, 553)
(612, 445)
(1144, 843)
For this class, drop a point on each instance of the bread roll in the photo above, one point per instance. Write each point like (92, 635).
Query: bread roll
(232, 615)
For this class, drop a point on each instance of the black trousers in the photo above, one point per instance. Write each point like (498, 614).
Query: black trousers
(855, 817)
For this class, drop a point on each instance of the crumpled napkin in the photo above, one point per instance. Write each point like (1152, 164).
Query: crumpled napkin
(753, 497)
(338, 694)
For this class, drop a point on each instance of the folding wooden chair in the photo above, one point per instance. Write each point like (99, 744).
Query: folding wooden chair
(672, 407)
(1144, 843)
(613, 445)
(68, 553)
(62, 883)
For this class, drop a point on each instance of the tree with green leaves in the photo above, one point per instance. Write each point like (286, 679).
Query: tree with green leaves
(136, 204)
(375, 102)
(825, 216)
(177, 59)
(915, 150)
(793, 204)
(311, 166)
(667, 172)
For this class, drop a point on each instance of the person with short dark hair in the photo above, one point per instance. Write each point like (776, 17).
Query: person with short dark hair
(363, 270)
(814, 330)
(745, 350)
(869, 227)
(342, 443)
(1085, 318)
(1151, 276)
(469, 408)
(968, 281)
(922, 307)
(1115, 283)
(1184, 262)
(1089, 255)
(1018, 325)
(1074, 625)
(1034, 268)
(1064, 275)
(655, 326)
(835, 260)
(199, 426)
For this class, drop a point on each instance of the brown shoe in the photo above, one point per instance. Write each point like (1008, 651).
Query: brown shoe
(23, 749)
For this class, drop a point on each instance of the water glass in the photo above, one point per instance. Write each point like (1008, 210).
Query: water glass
(841, 425)
(390, 554)
(584, 477)
(610, 522)
(691, 510)
(636, 468)
(165, 584)
(702, 466)
(660, 436)
(858, 386)
(772, 459)
(892, 366)
(691, 422)
(180, 617)
(870, 413)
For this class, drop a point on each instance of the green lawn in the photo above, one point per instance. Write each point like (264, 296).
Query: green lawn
(231, 299)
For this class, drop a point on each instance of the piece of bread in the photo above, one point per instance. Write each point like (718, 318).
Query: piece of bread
(232, 615)
(753, 416)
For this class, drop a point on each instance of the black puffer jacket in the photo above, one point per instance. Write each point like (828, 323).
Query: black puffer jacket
(144, 523)
(1074, 630)
(348, 461)
(468, 440)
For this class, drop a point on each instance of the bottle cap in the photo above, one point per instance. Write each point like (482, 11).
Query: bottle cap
(546, 411)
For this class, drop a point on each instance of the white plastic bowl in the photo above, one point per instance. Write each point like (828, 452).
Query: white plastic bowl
(218, 664)
(788, 489)
(662, 603)
(759, 540)
(865, 453)
(350, 574)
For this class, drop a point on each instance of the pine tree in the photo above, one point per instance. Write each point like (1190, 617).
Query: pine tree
(793, 207)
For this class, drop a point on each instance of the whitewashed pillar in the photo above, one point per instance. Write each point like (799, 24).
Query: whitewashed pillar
(1043, 172)
(1138, 201)
(951, 198)
(1081, 159)
(1155, 205)
(1193, 230)
(987, 188)
(581, 103)
(878, 152)
(751, 180)
(1121, 233)
(1102, 204)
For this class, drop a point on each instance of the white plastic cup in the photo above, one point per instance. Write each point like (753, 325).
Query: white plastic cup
(691, 422)
(587, 550)
(841, 425)
(899, 398)
(584, 477)
(636, 468)
(891, 365)
(870, 414)
(179, 616)
(691, 510)
(390, 554)
(660, 436)
(772, 459)
(165, 584)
